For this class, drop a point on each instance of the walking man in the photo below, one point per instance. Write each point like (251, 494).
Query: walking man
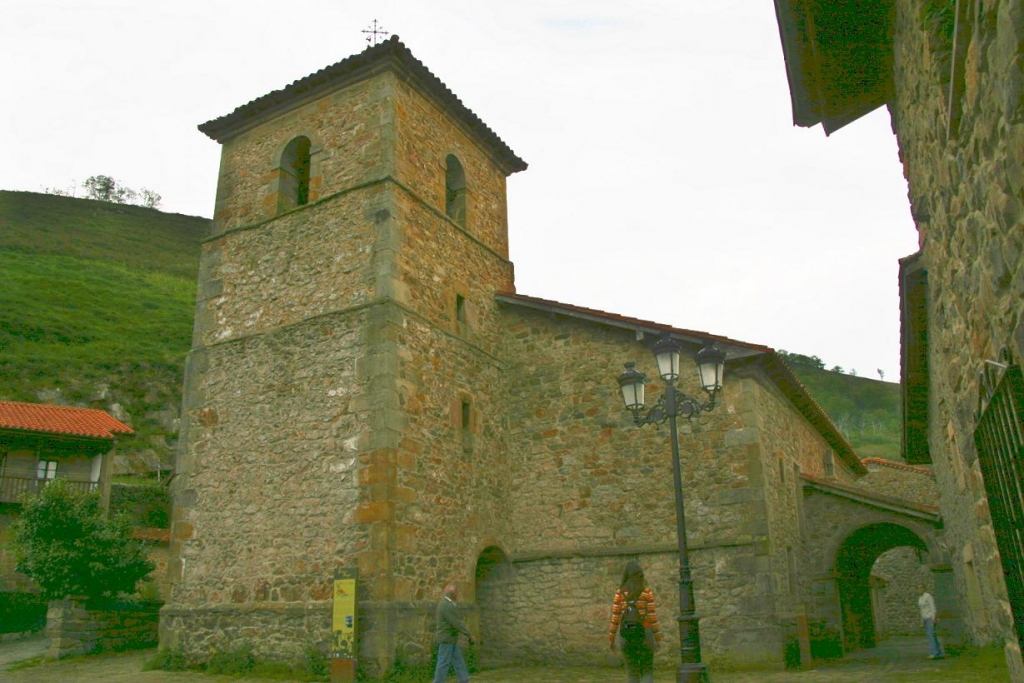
(926, 605)
(449, 626)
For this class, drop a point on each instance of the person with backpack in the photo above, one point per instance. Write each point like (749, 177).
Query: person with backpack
(635, 622)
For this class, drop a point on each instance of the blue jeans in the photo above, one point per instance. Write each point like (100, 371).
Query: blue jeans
(934, 649)
(449, 655)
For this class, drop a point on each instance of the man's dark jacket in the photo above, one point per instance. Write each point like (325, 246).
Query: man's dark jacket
(449, 624)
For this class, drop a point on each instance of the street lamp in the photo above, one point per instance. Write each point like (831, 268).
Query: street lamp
(671, 404)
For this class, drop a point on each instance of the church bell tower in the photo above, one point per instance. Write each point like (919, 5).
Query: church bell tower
(342, 404)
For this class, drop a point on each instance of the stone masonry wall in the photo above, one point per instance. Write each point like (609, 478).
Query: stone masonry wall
(78, 627)
(967, 195)
(347, 130)
(425, 136)
(283, 388)
(903, 571)
(449, 477)
(271, 504)
(789, 448)
(341, 408)
(588, 484)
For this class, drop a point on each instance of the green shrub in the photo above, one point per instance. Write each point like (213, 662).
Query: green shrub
(147, 506)
(238, 661)
(21, 612)
(167, 660)
(316, 663)
(69, 546)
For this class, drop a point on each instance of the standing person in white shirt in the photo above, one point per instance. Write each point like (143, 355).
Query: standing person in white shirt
(926, 605)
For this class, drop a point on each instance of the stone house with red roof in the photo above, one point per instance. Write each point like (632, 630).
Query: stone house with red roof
(39, 443)
(366, 390)
(950, 74)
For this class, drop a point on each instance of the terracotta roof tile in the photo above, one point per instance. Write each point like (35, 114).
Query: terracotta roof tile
(897, 465)
(48, 419)
(857, 492)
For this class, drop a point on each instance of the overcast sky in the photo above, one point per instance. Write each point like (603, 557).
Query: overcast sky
(666, 180)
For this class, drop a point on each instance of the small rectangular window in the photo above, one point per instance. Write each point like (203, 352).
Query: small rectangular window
(829, 462)
(46, 469)
(460, 308)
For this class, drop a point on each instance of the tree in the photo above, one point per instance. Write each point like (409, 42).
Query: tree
(801, 359)
(69, 546)
(106, 189)
(149, 199)
(101, 187)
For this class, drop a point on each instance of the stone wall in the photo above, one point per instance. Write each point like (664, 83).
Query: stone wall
(343, 400)
(76, 627)
(967, 195)
(587, 483)
(901, 571)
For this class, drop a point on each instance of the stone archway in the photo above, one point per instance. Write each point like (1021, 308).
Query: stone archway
(494, 579)
(854, 559)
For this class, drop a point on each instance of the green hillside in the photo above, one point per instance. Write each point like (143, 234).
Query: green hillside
(97, 303)
(866, 410)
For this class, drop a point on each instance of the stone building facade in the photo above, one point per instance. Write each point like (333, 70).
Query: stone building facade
(950, 73)
(367, 390)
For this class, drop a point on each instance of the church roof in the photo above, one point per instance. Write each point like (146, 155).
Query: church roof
(63, 420)
(883, 462)
(877, 500)
(390, 54)
(739, 353)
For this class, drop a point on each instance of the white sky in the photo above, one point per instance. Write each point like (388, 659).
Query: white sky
(666, 180)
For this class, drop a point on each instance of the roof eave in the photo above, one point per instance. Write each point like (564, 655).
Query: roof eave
(808, 76)
(779, 372)
(874, 500)
(390, 55)
(734, 349)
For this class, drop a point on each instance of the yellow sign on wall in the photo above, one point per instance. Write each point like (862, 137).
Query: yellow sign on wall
(343, 641)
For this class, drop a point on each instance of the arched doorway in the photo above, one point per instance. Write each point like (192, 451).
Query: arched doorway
(854, 561)
(494, 578)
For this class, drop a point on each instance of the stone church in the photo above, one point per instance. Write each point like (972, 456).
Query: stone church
(367, 390)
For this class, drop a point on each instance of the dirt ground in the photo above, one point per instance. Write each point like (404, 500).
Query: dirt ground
(896, 660)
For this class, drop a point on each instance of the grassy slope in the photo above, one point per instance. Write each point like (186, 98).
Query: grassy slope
(105, 292)
(866, 410)
(95, 292)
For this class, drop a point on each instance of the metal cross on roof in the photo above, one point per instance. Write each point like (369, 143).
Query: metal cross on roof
(374, 33)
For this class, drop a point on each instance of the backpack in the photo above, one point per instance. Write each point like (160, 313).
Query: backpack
(631, 623)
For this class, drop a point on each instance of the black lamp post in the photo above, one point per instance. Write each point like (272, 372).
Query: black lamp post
(671, 404)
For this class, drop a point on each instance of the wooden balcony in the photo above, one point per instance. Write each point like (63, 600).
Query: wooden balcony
(13, 488)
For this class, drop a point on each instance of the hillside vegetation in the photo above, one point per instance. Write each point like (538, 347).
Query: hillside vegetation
(97, 307)
(867, 411)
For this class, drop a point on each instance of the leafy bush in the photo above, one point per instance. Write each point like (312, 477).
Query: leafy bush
(235, 662)
(68, 546)
(316, 663)
(21, 612)
(167, 660)
(147, 506)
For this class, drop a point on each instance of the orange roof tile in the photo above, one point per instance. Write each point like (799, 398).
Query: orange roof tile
(38, 417)
(897, 465)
